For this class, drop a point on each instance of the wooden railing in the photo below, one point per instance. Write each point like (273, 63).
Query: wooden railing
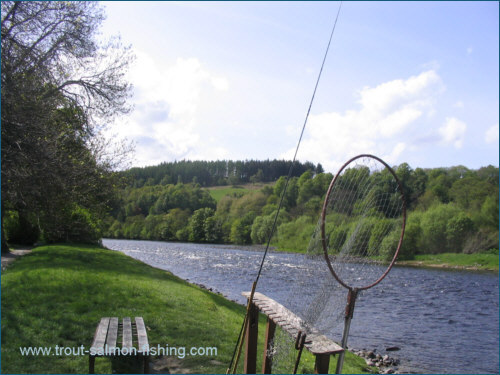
(319, 345)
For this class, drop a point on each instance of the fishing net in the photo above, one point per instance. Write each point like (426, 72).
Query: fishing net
(352, 248)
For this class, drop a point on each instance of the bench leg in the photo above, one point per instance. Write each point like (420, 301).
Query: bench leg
(146, 364)
(91, 364)
(250, 364)
(267, 360)
(322, 363)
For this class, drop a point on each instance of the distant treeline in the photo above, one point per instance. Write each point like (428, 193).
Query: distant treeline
(217, 173)
(449, 210)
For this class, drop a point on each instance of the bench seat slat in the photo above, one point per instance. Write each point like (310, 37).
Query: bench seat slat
(112, 333)
(127, 333)
(142, 337)
(100, 334)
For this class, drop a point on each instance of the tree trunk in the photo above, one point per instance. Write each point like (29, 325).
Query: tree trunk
(5, 245)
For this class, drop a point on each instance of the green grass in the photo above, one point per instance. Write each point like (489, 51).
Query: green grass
(57, 294)
(480, 261)
(218, 192)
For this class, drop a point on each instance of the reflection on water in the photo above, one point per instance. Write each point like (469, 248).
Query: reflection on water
(443, 321)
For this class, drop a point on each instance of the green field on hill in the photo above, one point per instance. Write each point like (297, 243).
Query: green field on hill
(217, 192)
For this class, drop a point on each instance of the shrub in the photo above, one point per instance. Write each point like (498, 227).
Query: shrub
(458, 229)
(19, 229)
(359, 236)
(336, 237)
(433, 224)
(296, 235)
(182, 234)
(381, 228)
(389, 245)
(480, 241)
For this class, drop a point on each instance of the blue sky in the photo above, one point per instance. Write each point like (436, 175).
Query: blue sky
(414, 82)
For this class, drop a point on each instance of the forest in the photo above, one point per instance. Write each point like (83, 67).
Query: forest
(217, 173)
(449, 210)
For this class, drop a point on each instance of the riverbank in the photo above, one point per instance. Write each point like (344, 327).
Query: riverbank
(472, 262)
(57, 294)
(488, 261)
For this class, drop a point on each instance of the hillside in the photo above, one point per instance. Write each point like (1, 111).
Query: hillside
(217, 173)
(449, 210)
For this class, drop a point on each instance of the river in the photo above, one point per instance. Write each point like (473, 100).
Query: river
(443, 321)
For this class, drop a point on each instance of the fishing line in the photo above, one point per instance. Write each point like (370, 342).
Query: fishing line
(298, 145)
(245, 321)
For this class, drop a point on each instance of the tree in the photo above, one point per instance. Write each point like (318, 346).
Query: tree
(489, 174)
(257, 177)
(197, 224)
(439, 184)
(470, 192)
(59, 85)
(263, 225)
(213, 229)
(489, 212)
(419, 182)
(241, 229)
(319, 169)
(405, 174)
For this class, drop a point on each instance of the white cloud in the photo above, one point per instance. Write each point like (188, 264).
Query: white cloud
(453, 132)
(491, 135)
(166, 120)
(385, 124)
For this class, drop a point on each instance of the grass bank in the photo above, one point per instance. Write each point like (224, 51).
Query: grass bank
(487, 261)
(57, 294)
(479, 261)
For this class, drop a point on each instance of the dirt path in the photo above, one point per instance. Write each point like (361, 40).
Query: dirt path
(13, 255)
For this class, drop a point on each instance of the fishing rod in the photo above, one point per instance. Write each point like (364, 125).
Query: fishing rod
(239, 343)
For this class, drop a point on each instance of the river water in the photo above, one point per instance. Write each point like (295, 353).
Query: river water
(443, 321)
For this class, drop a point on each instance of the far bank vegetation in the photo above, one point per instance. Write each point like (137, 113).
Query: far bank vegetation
(450, 209)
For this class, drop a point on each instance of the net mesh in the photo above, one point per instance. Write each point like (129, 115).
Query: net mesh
(360, 229)
(362, 222)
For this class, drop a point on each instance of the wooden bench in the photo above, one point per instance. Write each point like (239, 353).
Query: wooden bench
(110, 332)
(319, 345)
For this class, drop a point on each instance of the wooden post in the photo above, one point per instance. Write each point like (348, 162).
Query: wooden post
(267, 360)
(250, 365)
(322, 363)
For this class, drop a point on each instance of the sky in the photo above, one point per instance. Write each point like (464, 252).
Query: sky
(414, 82)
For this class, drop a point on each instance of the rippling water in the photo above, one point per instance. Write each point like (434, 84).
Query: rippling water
(444, 321)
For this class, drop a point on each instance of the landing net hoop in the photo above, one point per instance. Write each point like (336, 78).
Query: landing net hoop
(365, 194)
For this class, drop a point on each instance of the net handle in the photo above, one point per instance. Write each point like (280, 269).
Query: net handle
(323, 219)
